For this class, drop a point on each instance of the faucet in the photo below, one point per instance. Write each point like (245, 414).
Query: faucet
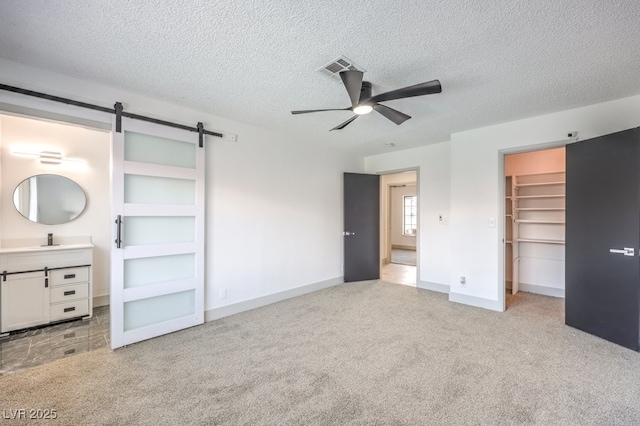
(49, 239)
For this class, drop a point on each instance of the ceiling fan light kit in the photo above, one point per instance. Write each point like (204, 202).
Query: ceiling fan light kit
(362, 102)
(362, 109)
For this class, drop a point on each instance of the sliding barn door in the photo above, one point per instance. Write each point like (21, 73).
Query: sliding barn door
(157, 259)
(603, 237)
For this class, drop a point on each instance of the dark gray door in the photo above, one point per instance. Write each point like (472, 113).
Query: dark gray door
(361, 227)
(603, 221)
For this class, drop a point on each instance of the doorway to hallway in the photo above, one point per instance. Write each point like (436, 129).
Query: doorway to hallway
(399, 228)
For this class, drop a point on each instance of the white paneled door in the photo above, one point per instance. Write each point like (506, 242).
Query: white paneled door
(157, 256)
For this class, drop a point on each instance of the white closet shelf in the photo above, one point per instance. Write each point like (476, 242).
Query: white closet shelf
(547, 222)
(539, 184)
(521, 197)
(539, 209)
(532, 240)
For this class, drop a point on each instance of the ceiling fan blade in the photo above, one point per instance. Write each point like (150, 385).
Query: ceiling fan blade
(345, 124)
(420, 89)
(306, 111)
(352, 81)
(393, 115)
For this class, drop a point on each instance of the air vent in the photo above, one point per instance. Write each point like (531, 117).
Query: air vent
(333, 68)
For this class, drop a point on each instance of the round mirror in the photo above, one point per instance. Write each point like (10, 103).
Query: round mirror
(49, 199)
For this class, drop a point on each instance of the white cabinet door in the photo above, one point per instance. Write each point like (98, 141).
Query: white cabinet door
(25, 301)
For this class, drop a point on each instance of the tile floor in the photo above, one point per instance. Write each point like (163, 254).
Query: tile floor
(399, 274)
(38, 346)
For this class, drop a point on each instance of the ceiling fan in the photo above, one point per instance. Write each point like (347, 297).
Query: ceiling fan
(363, 103)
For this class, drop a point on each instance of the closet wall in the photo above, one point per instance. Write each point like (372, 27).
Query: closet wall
(535, 222)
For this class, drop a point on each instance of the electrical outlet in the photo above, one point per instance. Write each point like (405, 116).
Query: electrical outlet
(463, 280)
(441, 219)
(492, 222)
(223, 293)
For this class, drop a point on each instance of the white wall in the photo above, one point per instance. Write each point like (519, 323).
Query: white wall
(23, 134)
(397, 217)
(433, 239)
(274, 203)
(477, 182)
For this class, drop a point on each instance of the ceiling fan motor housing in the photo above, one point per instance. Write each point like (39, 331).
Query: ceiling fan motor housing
(365, 91)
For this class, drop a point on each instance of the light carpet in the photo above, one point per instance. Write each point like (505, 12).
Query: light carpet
(362, 353)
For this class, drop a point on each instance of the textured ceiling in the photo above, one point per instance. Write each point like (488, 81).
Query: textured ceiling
(254, 61)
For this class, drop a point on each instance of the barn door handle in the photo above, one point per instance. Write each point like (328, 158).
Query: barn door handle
(627, 251)
(118, 231)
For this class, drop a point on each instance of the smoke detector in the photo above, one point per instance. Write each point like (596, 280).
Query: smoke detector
(332, 69)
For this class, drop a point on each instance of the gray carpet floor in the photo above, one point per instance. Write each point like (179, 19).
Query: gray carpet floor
(362, 353)
(403, 257)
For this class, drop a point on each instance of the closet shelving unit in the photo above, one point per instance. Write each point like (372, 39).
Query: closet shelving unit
(508, 232)
(535, 220)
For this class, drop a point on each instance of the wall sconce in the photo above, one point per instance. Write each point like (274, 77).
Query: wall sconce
(49, 157)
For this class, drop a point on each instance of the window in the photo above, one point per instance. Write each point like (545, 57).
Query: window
(410, 214)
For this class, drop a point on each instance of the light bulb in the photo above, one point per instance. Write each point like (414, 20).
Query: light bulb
(363, 109)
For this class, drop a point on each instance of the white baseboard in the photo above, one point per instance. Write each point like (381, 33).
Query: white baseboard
(236, 308)
(540, 289)
(440, 288)
(100, 301)
(479, 302)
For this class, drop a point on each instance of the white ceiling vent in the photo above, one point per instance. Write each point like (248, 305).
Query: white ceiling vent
(333, 68)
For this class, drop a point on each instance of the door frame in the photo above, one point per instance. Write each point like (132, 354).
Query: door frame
(386, 225)
(500, 222)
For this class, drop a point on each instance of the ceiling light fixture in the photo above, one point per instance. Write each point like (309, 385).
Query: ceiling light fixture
(48, 157)
(363, 109)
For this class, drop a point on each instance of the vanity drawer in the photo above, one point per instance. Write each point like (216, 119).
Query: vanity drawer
(69, 275)
(69, 292)
(77, 308)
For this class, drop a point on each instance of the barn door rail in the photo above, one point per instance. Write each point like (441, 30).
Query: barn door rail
(118, 110)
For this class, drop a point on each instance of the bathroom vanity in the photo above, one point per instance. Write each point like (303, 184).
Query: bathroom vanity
(45, 284)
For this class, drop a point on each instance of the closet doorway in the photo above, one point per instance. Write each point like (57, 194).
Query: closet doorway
(399, 227)
(534, 224)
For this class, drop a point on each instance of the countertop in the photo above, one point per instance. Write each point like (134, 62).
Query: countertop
(45, 248)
